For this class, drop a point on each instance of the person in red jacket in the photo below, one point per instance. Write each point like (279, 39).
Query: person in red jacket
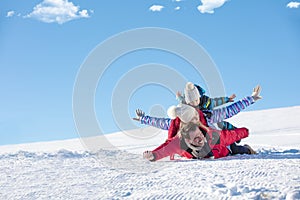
(198, 141)
(185, 114)
(181, 115)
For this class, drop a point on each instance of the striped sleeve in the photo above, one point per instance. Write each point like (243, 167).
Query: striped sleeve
(161, 123)
(221, 114)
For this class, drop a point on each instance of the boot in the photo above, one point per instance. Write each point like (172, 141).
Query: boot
(251, 151)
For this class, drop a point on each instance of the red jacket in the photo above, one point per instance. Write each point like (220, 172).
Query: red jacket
(217, 141)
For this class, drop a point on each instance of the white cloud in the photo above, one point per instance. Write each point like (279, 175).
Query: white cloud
(156, 8)
(208, 6)
(57, 11)
(177, 8)
(84, 13)
(293, 4)
(10, 13)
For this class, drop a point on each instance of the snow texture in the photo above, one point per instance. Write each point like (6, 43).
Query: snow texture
(69, 170)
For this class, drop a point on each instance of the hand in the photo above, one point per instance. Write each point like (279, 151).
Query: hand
(256, 93)
(148, 155)
(231, 98)
(139, 114)
(178, 94)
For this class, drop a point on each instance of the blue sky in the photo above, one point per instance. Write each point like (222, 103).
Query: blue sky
(43, 44)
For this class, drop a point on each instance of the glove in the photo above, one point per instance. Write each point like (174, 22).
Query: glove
(148, 155)
(256, 92)
(231, 98)
(139, 114)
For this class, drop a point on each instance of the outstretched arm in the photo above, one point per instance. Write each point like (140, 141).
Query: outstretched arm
(170, 147)
(180, 97)
(166, 149)
(161, 123)
(221, 114)
(218, 101)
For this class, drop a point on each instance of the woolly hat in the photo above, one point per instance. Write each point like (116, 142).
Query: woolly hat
(191, 93)
(183, 111)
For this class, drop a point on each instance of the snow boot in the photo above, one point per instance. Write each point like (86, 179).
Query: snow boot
(251, 151)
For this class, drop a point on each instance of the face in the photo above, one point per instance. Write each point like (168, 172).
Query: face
(195, 103)
(195, 119)
(196, 138)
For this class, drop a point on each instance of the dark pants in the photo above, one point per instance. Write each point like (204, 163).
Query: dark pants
(235, 149)
(238, 149)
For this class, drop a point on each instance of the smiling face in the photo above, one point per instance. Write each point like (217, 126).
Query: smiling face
(196, 138)
(195, 102)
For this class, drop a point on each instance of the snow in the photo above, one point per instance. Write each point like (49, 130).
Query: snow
(69, 169)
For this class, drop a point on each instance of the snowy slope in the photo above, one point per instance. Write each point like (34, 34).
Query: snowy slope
(69, 170)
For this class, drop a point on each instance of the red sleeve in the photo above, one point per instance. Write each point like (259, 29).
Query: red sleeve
(230, 136)
(171, 146)
(174, 128)
(220, 151)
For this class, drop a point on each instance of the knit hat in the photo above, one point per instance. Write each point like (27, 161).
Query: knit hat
(183, 111)
(191, 93)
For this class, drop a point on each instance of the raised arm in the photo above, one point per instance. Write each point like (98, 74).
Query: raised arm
(161, 123)
(180, 97)
(221, 114)
(218, 101)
